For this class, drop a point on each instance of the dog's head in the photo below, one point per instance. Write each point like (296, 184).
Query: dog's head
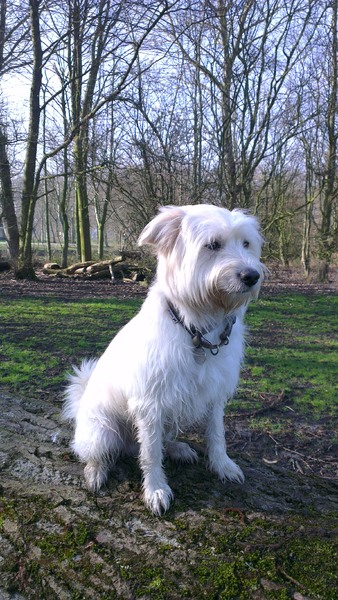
(208, 257)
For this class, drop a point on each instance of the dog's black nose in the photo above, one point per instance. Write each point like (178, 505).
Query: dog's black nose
(249, 276)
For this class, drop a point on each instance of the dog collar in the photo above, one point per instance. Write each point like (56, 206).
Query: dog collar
(200, 343)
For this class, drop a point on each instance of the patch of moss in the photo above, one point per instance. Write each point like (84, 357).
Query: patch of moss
(65, 545)
(55, 550)
(148, 581)
(313, 563)
(238, 559)
(228, 580)
(7, 510)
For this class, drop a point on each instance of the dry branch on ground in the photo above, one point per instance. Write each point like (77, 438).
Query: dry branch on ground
(127, 265)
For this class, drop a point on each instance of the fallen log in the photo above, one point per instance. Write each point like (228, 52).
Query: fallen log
(120, 267)
(125, 269)
(58, 273)
(102, 274)
(80, 265)
(50, 267)
(100, 266)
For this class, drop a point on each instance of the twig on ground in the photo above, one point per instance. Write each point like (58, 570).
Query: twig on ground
(272, 405)
(292, 579)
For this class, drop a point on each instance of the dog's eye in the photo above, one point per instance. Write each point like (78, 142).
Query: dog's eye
(213, 245)
(246, 244)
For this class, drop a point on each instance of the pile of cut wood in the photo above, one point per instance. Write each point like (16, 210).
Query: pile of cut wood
(128, 266)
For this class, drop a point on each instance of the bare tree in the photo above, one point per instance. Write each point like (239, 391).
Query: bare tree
(13, 43)
(228, 102)
(116, 35)
(65, 165)
(95, 33)
(29, 191)
(317, 106)
(103, 148)
(327, 238)
(248, 50)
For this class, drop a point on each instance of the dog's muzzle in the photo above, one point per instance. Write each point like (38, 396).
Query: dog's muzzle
(249, 277)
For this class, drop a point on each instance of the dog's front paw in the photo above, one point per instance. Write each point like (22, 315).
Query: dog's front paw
(158, 500)
(227, 469)
(233, 472)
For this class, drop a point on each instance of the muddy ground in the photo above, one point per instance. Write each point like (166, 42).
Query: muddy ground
(218, 541)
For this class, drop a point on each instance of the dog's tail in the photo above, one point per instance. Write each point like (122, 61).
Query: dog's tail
(77, 384)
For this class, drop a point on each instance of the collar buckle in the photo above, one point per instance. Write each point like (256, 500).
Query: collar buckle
(198, 339)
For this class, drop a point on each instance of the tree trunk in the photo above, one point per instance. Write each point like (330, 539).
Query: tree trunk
(227, 168)
(80, 140)
(306, 242)
(7, 202)
(327, 241)
(63, 212)
(46, 189)
(64, 193)
(283, 253)
(29, 191)
(85, 251)
(197, 127)
(100, 242)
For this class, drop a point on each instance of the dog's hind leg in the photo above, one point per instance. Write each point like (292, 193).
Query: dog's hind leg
(179, 451)
(219, 460)
(97, 442)
(96, 474)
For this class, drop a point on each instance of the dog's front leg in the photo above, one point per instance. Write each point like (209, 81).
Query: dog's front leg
(157, 493)
(219, 460)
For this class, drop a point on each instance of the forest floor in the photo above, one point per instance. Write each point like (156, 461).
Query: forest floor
(272, 537)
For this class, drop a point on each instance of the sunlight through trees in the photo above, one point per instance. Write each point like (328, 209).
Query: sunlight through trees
(134, 105)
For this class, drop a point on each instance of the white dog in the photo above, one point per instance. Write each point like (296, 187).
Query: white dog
(177, 361)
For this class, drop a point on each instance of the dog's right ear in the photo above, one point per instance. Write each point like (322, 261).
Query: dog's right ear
(162, 231)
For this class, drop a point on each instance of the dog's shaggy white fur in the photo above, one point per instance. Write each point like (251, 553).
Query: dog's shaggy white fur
(152, 380)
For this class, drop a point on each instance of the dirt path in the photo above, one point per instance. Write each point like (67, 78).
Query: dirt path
(59, 541)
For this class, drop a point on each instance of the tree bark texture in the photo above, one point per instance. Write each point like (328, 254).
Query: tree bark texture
(7, 203)
(29, 191)
(327, 240)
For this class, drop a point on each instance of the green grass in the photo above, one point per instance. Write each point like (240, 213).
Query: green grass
(292, 347)
(40, 339)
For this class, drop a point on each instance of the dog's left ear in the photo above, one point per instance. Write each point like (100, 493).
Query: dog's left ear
(162, 231)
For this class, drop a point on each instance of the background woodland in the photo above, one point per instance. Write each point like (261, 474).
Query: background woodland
(132, 105)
